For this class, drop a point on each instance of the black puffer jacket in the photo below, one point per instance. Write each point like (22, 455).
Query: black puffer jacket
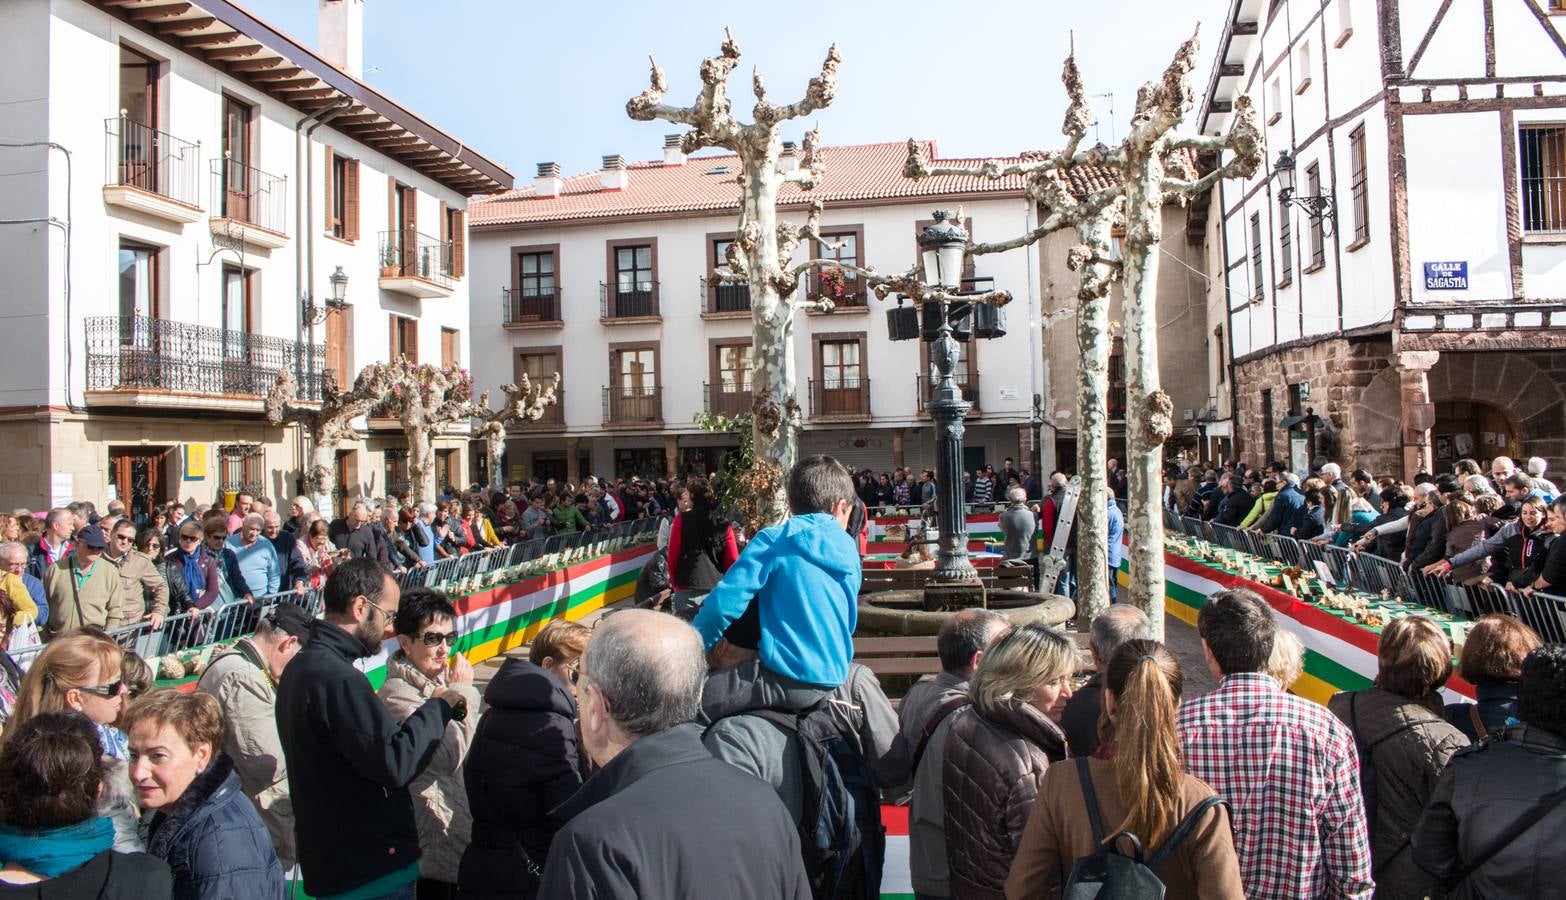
(990, 778)
(1412, 743)
(1486, 789)
(523, 763)
(214, 841)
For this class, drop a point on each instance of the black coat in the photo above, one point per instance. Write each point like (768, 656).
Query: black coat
(110, 875)
(1233, 508)
(214, 841)
(349, 765)
(523, 763)
(1484, 790)
(367, 541)
(1390, 546)
(1497, 705)
(1080, 719)
(665, 820)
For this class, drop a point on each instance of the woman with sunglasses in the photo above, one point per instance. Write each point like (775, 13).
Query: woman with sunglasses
(425, 624)
(318, 552)
(79, 671)
(524, 763)
(209, 569)
(150, 542)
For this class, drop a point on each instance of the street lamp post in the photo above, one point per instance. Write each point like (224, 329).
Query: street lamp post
(941, 247)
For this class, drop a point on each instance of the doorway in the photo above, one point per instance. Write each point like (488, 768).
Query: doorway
(138, 478)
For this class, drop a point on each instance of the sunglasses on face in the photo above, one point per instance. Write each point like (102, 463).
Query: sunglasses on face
(189, 537)
(437, 638)
(106, 691)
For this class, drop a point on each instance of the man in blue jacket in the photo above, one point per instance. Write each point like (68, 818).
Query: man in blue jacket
(1286, 507)
(804, 577)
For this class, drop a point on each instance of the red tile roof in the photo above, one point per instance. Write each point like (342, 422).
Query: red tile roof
(706, 183)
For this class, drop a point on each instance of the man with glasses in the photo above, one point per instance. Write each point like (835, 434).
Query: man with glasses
(143, 590)
(13, 559)
(244, 680)
(82, 588)
(349, 762)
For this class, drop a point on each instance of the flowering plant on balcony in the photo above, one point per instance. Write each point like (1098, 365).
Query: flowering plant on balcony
(833, 284)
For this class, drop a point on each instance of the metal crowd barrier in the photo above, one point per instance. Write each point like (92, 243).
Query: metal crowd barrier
(1545, 613)
(194, 628)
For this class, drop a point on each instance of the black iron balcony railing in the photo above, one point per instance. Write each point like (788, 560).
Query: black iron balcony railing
(407, 253)
(247, 194)
(150, 160)
(633, 405)
(718, 297)
(966, 382)
(840, 397)
(521, 306)
(728, 398)
(141, 353)
(628, 301)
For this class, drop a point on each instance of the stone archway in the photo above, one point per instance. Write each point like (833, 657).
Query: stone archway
(1511, 382)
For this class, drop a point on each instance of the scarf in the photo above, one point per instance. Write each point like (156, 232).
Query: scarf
(195, 581)
(52, 852)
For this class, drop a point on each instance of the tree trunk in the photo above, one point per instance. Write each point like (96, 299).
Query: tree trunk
(321, 479)
(495, 448)
(775, 425)
(1148, 408)
(421, 464)
(1093, 342)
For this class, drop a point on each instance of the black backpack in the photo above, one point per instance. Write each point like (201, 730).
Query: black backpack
(840, 830)
(1109, 874)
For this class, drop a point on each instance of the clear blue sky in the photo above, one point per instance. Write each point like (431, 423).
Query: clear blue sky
(525, 82)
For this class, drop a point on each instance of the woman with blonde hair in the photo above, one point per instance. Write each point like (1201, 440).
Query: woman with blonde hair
(1138, 785)
(1287, 661)
(996, 752)
(1400, 727)
(77, 671)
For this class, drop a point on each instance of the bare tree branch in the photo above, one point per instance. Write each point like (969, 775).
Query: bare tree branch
(819, 94)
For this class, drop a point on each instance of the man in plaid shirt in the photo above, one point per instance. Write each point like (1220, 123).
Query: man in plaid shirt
(1287, 766)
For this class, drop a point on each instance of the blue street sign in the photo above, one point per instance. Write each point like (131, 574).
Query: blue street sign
(1446, 276)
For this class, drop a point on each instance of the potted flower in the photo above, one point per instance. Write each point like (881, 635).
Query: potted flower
(389, 265)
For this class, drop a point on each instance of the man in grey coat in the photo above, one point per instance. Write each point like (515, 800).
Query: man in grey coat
(243, 679)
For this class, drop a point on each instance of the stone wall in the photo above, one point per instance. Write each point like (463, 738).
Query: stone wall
(1338, 371)
(1354, 387)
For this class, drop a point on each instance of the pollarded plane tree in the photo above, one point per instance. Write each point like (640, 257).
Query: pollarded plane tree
(763, 247)
(762, 253)
(327, 424)
(525, 402)
(425, 400)
(1153, 166)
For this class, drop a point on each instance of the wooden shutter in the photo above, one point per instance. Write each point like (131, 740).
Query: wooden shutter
(412, 343)
(330, 204)
(395, 333)
(448, 347)
(445, 237)
(337, 345)
(351, 200)
(459, 243)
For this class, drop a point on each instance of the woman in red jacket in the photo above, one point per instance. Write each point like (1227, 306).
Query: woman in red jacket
(701, 549)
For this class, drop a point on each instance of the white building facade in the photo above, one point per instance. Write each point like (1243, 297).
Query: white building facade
(182, 183)
(1417, 321)
(608, 278)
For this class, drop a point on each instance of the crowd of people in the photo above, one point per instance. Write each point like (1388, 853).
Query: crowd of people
(730, 746)
(1485, 522)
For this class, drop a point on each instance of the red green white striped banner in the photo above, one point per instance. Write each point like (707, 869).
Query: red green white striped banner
(1339, 655)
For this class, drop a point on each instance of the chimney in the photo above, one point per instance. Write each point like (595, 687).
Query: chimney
(672, 154)
(789, 160)
(614, 176)
(548, 182)
(341, 34)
